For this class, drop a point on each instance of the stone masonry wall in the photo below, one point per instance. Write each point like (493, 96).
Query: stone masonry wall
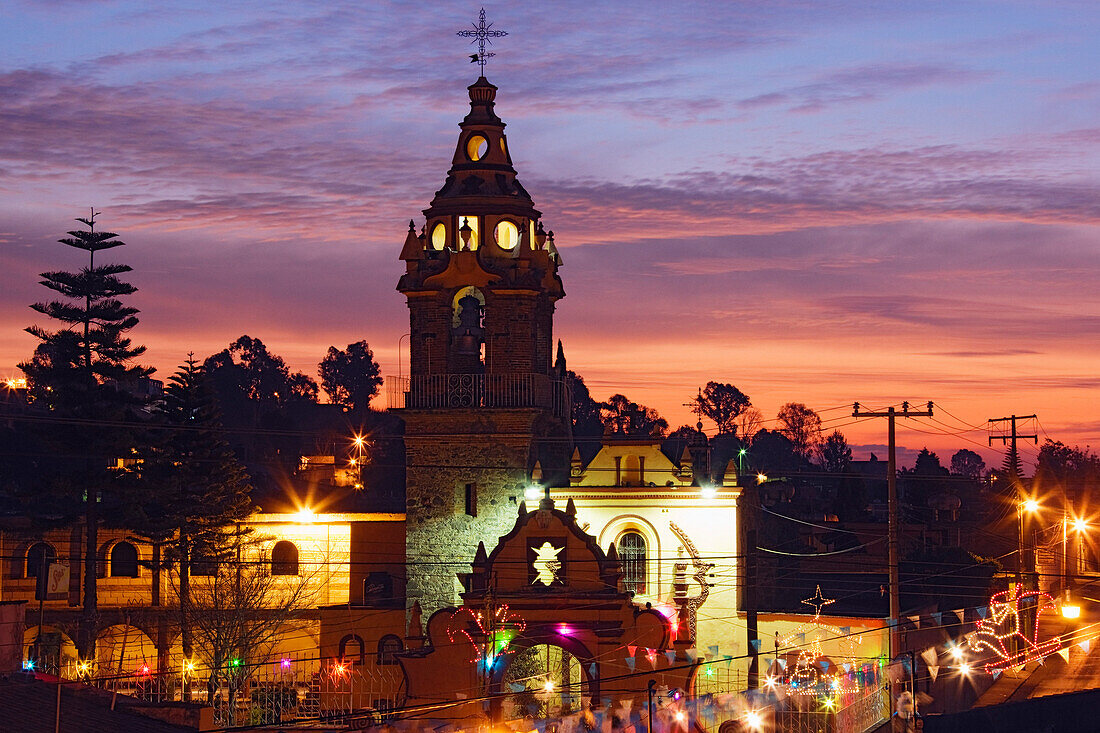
(445, 450)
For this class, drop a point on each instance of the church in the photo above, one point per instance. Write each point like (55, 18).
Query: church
(532, 573)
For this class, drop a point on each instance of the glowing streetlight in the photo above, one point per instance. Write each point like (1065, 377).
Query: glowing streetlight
(964, 669)
(1031, 506)
(754, 720)
(1080, 525)
(549, 686)
(761, 478)
(359, 442)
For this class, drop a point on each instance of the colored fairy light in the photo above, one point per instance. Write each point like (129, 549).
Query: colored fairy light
(565, 630)
(497, 629)
(28, 664)
(144, 669)
(285, 663)
(808, 638)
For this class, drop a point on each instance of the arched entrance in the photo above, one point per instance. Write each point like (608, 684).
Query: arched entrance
(543, 677)
(543, 681)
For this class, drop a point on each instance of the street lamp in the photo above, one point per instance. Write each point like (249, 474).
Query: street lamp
(359, 442)
(1069, 610)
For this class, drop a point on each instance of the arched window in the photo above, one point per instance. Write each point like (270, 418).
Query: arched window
(39, 555)
(352, 648)
(389, 646)
(631, 548)
(124, 560)
(284, 558)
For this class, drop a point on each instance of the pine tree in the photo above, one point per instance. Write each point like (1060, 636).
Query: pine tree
(195, 488)
(84, 372)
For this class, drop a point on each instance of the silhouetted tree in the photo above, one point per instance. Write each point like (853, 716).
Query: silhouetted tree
(721, 403)
(967, 463)
(624, 417)
(836, 455)
(588, 427)
(350, 377)
(928, 464)
(85, 371)
(925, 480)
(258, 374)
(195, 488)
(1073, 470)
(773, 454)
(801, 426)
(749, 423)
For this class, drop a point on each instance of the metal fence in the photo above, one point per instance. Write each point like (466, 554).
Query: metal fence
(291, 688)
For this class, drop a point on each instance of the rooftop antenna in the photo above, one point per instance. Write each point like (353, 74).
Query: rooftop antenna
(482, 34)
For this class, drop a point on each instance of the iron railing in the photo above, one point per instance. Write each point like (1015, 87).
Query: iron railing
(434, 391)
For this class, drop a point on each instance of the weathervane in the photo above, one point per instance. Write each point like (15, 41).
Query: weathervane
(481, 34)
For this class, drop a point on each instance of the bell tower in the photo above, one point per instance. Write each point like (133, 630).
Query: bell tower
(485, 409)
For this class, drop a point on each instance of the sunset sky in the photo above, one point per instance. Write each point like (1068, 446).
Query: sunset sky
(819, 202)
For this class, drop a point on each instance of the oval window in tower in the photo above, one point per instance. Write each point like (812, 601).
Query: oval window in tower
(503, 147)
(439, 236)
(507, 235)
(476, 147)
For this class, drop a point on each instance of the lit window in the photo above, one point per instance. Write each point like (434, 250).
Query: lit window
(631, 550)
(507, 235)
(284, 558)
(439, 236)
(475, 240)
(476, 147)
(124, 561)
(503, 147)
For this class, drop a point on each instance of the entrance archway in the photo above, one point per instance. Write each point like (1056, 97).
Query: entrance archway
(543, 681)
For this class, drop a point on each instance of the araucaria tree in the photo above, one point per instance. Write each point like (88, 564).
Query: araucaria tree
(85, 371)
(350, 377)
(195, 490)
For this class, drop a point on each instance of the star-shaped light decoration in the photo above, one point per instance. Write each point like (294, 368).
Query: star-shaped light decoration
(818, 601)
(546, 564)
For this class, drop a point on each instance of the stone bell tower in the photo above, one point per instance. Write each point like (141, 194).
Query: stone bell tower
(486, 411)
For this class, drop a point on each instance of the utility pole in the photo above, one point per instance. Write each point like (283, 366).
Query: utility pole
(892, 535)
(1025, 562)
(1010, 438)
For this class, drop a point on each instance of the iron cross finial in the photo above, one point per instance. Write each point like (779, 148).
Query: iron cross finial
(482, 34)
